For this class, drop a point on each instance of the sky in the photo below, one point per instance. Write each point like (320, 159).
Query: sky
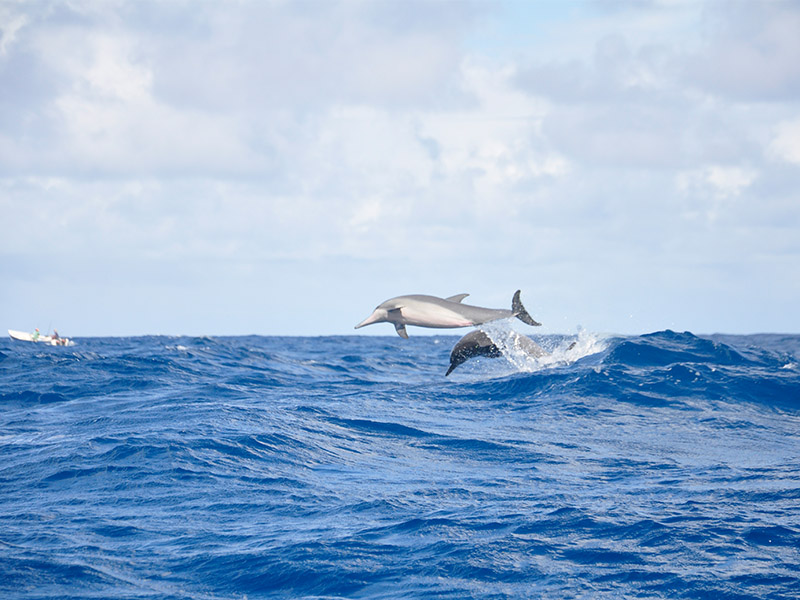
(282, 167)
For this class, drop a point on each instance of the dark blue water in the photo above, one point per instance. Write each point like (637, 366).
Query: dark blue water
(659, 466)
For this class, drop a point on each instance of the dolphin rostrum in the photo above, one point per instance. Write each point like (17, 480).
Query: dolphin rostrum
(441, 313)
(477, 343)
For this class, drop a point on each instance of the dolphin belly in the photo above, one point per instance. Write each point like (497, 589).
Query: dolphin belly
(479, 315)
(432, 315)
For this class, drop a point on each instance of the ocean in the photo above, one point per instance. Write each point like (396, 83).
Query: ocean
(664, 465)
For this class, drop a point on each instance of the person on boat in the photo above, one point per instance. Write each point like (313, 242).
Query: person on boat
(36, 335)
(58, 340)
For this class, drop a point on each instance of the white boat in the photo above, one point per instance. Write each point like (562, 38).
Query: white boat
(24, 336)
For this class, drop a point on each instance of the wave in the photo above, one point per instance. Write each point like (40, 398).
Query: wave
(659, 369)
(614, 466)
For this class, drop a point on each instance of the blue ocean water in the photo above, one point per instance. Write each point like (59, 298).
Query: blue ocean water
(660, 466)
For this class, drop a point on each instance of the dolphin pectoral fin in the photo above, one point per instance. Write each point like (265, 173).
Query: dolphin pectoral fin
(394, 317)
(457, 298)
(520, 312)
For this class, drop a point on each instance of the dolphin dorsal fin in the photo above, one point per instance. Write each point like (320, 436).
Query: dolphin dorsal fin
(457, 298)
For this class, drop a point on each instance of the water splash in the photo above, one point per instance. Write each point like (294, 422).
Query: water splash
(545, 352)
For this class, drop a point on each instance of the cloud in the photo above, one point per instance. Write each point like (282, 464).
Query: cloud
(10, 24)
(309, 55)
(223, 91)
(786, 143)
(616, 73)
(710, 190)
(588, 149)
(750, 53)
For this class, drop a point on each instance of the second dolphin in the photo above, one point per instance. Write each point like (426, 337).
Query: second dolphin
(478, 343)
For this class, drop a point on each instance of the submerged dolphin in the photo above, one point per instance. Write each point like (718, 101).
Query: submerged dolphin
(441, 313)
(477, 343)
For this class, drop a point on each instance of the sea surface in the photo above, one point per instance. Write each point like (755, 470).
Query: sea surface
(664, 465)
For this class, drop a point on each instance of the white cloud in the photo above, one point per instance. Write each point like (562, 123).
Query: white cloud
(786, 143)
(720, 181)
(750, 53)
(730, 181)
(10, 24)
(709, 192)
(600, 153)
(309, 55)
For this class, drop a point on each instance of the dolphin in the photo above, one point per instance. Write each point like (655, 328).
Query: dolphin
(477, 343)
(441, 313)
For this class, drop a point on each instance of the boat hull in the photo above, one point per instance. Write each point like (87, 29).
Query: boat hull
(24, 336)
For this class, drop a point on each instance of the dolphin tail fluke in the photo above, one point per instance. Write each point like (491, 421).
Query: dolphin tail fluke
(520, 312)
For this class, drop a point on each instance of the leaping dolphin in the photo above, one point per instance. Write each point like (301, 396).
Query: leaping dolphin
(441, 313)
(477, 343)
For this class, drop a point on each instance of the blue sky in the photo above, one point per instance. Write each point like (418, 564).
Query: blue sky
(280, 168)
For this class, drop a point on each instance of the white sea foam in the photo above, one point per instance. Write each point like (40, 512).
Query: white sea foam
(555, 350)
